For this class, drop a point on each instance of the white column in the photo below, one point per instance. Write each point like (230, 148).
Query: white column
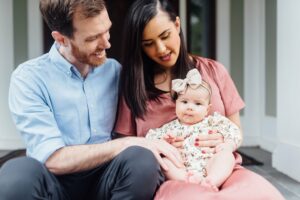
(35, 29)
(183, 18)
(9, 138)
(253, 66)
(223, 32)
(286, 157)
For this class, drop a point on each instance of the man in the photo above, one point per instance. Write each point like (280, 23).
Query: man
(64, 105)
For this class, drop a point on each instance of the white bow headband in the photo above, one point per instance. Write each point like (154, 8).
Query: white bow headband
(193, 79)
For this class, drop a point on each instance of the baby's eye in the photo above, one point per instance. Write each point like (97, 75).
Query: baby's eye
(185, 102)
(198, 104)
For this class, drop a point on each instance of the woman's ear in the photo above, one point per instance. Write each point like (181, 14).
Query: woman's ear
(177, 24)
(59, 38)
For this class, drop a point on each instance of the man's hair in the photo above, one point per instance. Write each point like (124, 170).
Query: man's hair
(58, 14)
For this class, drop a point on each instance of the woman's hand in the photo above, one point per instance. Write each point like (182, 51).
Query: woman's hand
(210, 140)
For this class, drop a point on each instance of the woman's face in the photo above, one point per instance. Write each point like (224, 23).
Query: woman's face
(161, 41)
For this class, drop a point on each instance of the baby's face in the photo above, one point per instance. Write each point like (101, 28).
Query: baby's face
(192, 106)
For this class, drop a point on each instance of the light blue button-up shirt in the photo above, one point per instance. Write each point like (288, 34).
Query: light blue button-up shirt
(53, 106)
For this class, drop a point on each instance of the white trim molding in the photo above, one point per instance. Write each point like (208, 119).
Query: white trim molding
(286, 160)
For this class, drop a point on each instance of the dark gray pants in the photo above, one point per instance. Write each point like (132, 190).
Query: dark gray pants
(133, 174)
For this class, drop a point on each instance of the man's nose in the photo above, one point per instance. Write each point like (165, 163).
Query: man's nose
(104, 42)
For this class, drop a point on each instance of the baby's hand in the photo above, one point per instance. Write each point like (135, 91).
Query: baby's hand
(169, 138)
(173, 140)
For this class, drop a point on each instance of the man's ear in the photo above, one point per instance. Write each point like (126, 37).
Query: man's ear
(60, 38)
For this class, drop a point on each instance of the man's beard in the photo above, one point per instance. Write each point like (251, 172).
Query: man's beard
(89, 59)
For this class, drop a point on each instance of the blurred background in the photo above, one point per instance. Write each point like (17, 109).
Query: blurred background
(257, 41)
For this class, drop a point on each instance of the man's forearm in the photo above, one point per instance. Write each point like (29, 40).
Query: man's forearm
(78, 158)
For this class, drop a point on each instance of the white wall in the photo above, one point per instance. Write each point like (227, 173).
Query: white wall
(253, 67)
(35, 30)
(286, 157)
(182, 14)
(9, 138)
(223, 36)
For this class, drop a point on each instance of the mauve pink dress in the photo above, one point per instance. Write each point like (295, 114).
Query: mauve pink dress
(242, 184)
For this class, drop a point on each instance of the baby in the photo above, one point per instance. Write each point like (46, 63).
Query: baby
(208, 167)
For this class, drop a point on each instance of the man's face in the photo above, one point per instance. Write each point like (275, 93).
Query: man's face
(91, 39)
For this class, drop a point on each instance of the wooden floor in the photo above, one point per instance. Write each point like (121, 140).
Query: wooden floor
(286, 185)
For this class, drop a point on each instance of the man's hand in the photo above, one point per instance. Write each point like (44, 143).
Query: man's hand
(159, 148)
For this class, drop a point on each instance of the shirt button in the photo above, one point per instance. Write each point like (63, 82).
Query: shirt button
(94, 130)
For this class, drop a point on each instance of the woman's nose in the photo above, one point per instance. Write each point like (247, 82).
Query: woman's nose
(161, 47)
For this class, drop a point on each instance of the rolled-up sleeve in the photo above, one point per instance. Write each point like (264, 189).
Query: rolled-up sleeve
(33, 117)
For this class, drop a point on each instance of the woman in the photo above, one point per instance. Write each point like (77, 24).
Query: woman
(154, 53)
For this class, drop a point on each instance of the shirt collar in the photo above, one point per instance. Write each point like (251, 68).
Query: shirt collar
(59, 60)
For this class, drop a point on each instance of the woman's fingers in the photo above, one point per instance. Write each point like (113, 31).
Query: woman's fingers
(213, 136)
(210, 140)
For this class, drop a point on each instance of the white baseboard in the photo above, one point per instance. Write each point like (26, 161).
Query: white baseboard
(286, 160)
(268, 144)
(11, 143)
(250, 141)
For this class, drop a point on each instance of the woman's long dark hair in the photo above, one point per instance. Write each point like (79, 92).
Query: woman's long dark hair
(137, 76)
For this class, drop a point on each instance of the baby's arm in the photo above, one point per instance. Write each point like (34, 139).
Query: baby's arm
(154, 134)
(230, 131)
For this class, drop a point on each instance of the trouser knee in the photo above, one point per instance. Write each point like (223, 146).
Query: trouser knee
(144, 171)
(18, 177)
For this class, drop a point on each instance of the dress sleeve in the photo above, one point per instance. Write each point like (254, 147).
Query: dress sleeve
(231, 99)
(125, 124)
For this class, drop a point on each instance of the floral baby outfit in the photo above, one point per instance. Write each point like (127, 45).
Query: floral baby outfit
(196, 158)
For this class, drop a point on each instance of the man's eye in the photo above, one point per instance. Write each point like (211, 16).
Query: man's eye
(91, 39)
